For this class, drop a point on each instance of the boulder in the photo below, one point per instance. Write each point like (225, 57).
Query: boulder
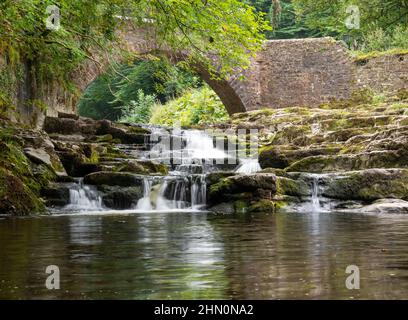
(120, 198)
(63, 115)
(122, 179)
(215, 177)
(62, 125)
(259, 185)
(290, 187)
(144, 167)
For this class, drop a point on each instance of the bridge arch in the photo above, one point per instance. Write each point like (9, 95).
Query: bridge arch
(142, 42)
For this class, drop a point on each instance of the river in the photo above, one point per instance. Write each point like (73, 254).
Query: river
(201, 255)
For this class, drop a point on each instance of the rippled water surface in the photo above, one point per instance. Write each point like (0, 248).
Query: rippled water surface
(204, 256)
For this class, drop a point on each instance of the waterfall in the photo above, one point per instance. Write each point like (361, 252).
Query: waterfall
(198, 191)
(248, 166)
(315, 203)
(200, 145)
(144, 204)
(84, 198)
(172, 193)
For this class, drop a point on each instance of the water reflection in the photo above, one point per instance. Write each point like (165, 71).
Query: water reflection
(199, 255)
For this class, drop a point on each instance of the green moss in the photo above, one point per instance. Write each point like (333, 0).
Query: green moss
(16, 198)
(266, 206)
(221, 187)
(138, 130)
(363, 57)
(296, 188)
(104, 138)
(241, 206)
(403, 94)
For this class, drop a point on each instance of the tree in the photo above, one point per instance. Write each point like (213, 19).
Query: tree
(228, 29)
(329, 16)
(287, 24)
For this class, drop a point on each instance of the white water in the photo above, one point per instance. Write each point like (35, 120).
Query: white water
(315, 205)
(171, 194)
(200, 145)
(248, 166)
(144, 204)
(183, 189)
(198, 192)
(84, 198)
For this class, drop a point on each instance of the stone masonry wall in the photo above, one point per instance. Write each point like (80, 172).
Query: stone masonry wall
(384, 73)
(304, 72)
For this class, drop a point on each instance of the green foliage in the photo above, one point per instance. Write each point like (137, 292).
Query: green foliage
(231, 28)
(379, 40)
(286, 23)
(196, 106)
(106, 96)
(386, 19)
(138, 111)
(228, 29)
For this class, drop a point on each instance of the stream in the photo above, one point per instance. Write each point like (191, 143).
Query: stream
(169, 246)
(200, 255)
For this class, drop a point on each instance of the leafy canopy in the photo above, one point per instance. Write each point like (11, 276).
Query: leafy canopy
(228, 29)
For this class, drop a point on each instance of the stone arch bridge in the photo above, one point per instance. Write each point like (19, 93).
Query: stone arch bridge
(300, 72)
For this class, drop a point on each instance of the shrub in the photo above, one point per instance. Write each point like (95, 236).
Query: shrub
(138, 111)
(195, 107)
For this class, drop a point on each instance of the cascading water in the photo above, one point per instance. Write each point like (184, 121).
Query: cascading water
(200, 145)
(248, 166)
(192, 154)
(144, 204)
(84, 198)
(198, 191)
(315, 204)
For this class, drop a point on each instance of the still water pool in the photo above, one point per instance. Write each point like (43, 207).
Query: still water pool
(182, 255)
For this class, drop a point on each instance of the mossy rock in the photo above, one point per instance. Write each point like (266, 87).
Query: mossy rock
(243, 186)
(16, 198)
(144, 167)
(215, 177)
(56, 195)
(290, 187)
(104, 138)
(138, 130)
(367, 185)
(154, 167)
(350, 162)
(265, 206)
(277, 157)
